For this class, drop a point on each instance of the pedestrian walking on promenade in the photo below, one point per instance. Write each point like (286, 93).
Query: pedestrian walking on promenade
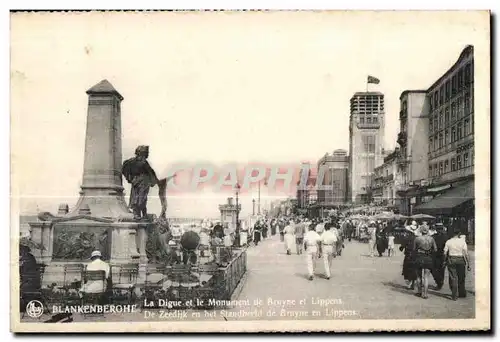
(409, 269)
(381, 240)
(289, 237)
(257, 232)
(265, 228)
(274, 223)
(300, 229)
(328, 241)
(424, 247)
(440, 238)
(320, 228)
(372, 242)
(457, 259)
(390, 244)
(281, 228)
(311, 239)
(337, 247)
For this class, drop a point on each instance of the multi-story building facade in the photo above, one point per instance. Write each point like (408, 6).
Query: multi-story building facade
(333, 169)
(413, 146)
(386, 179)
(449, 191)
(366, 140)
(451, 122)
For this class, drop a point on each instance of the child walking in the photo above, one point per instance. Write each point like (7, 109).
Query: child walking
(390, 247)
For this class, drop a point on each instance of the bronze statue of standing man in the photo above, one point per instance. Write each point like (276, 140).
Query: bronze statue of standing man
(141, 176)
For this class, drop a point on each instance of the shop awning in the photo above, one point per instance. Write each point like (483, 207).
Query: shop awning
(448, 201)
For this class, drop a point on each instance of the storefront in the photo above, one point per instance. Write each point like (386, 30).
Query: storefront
(455, 207)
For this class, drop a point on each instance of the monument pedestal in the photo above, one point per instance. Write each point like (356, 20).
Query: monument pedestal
(71, 240)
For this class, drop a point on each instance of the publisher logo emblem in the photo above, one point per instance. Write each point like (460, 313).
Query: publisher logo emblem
(34, 309)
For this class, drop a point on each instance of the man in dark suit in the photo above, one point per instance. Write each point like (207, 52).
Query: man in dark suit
(438, 270)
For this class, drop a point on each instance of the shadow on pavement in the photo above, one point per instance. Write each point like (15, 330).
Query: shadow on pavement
(398, 288)
(403, 289)
(302, 275)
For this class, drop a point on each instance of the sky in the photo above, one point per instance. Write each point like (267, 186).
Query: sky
(216, 87)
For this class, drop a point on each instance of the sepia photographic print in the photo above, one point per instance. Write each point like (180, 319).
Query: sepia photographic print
(250, 171)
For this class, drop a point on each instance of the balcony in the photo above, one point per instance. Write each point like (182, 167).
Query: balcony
(368, 125)
(403, 161)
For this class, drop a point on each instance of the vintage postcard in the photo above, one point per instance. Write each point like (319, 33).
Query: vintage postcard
(250, 171)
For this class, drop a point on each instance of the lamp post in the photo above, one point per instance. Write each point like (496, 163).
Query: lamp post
(253, 207)
(237, 237)
(258, 202)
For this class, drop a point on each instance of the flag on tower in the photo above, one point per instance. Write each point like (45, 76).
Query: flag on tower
(373, 80)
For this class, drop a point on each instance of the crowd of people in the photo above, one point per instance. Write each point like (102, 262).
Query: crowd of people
(429, 249)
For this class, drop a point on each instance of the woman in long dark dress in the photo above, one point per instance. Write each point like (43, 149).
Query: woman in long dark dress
(381, 241)
(257, 233)
(264, 229)
(409, 267)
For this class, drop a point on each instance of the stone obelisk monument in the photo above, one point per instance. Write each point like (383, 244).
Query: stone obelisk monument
(102, 190)
(100, 219)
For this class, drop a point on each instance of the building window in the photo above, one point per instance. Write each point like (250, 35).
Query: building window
(441, 140)
(362, 120)
(466, 127)
(447, 116)
(375, 120)
(431, 145)
(459, 162)
(441, 168)
(466, 159)
(460, 107)
(430, 171)
(436, 127)
(430, 103)
(460, 79)
(453, 111)
(369, 144)
(369, 120)
(436, 170)
(431, 126)
(447, 137)
(467, 74)
(453, 134)
(441, 119)
(467, 103)
(453, 85)
(447, 90)
(436, 142)
(453, 164)
(446, 166)
(459, 131)
(441, 96)
(436, 103)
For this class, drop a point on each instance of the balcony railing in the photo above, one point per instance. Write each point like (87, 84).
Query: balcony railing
(368, 125)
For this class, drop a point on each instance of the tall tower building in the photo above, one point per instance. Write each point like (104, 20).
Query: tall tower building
(366, 140)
